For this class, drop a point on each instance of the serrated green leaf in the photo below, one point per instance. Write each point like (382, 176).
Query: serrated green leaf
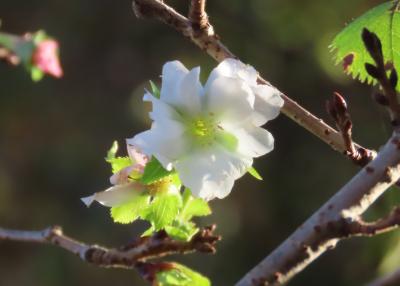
(252, 171)
(181, 276)
(193, 206)
(118, 163)
(182, 230)
(154, 171)
(383, 20)
(163, 210)
(130, 211)
(154, 90)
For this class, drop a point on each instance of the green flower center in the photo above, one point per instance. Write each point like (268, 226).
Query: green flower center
(203, 130)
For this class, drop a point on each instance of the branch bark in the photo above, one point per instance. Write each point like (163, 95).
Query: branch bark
(209, 41)
(129, 256)
(333, 222)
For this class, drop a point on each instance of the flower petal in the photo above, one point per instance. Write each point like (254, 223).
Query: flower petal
(165, 141)
(211, 172)
(160, 109)
(268, 104)
(180, 88)
(172, 74)
(253, 141)
(231, 100)
(234, 69)
(115, 195)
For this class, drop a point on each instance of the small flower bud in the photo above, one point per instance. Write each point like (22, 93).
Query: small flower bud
(45, 57)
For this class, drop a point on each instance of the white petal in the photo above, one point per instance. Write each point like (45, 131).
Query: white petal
(210, 173)
(268, 104)
(172, 74)
(253, 141)
(137, 155)
(189, 94)
(231, 100)
(234, 69)
(160, 109)
(115, 195)
(180, 88)
(165, 140)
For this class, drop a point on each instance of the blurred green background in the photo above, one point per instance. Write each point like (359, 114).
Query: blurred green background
(54, 136)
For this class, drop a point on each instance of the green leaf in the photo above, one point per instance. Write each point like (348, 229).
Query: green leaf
(154, 89)
(181, 276)
(163, 210)
(182, 230)
(130, 211)
(154, 171)
(118, 163)
(112, 152)
(193, 206)
(252, 171)
(383, 20)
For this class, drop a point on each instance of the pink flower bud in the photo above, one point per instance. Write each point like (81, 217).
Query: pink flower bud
(45, 57)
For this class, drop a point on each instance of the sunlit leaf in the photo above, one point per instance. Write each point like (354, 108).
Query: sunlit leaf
(154, 171)
(181, 276)
(130, 211)
(163, 210)
(383, 20)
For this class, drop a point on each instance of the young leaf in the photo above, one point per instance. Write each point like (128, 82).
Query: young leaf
(182, 230)
(163, 210)
(118, 163)
(193, 207)
(154, 89)
(383, 20)
(252, 171)
(181, 276)
(112, 152)
(131, 210)
(154, 171)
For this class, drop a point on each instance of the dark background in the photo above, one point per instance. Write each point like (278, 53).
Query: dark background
(54, 136)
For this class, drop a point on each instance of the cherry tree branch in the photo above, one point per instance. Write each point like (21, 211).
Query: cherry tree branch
(392, 279)
(337, 219)
(134, 255)
(206, 39)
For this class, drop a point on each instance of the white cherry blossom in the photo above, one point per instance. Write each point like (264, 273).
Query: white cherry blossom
(209, 134)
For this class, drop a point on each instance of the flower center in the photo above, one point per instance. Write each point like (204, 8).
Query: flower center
(203, 130)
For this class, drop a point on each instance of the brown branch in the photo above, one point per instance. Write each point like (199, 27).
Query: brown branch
(198, 16)
(383, 225)
(140, 251)
(331, 223)
(392, 279)
(210, 42)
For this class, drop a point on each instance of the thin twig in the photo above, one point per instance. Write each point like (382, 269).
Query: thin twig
(145, 248)
(210, 42)
(383, 225)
